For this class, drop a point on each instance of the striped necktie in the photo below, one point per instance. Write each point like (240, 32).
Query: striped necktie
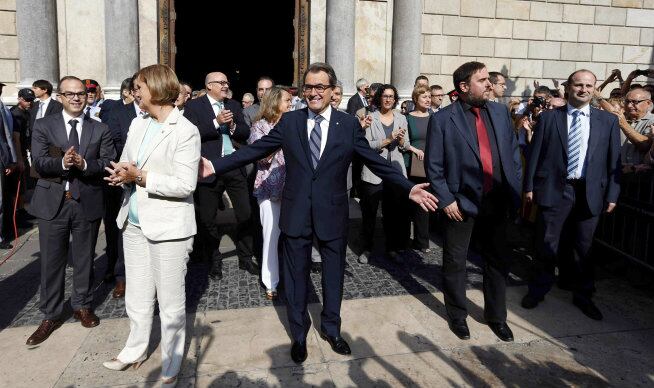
(314, 141)
(574, 144)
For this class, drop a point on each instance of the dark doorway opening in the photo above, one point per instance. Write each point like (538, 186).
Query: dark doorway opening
(243, 39)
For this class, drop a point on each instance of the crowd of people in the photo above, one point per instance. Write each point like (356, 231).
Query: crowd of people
(156, 164)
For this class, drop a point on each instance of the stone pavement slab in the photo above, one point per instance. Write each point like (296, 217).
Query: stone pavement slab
(396, 341)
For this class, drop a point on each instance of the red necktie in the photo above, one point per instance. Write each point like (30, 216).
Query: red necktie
(484, 149)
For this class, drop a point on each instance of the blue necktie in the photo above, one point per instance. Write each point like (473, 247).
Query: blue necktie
(314, 141)
(228, 148)
(574, 144)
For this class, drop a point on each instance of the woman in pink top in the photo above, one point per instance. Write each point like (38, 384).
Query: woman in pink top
(269, 184)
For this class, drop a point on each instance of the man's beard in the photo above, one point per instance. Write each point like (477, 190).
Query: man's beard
(476, 101)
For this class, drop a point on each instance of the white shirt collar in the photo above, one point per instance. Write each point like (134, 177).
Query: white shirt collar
(585, 110)
(68, 117)
(325, 115)
(212, 100)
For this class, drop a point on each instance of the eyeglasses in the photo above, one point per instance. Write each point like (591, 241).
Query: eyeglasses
(71, 95)
(388, 97)
(320, 88)
(222, 83)
(634, 102)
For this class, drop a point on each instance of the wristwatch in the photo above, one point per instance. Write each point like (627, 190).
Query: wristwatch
(139, 178)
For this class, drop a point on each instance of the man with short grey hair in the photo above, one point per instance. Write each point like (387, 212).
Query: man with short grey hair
(636, 126)
(263, 86)
(358, 100)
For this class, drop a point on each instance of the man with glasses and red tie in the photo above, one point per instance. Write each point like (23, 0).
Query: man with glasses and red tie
(221, 124)
(573, 175)
(70, 153)
(319, 143)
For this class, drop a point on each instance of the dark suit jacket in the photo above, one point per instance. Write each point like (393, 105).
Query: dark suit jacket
(354, 104)
(200, 113)
(106, 107)
(548, 159)
(119, 118)
(452, 160)
(96, 147)
(315, 197)
(53, 107)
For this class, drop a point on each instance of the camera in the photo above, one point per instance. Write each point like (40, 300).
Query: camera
(642, 72)
(537, 102)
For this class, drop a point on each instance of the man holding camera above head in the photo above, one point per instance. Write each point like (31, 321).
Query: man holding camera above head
(473, 164)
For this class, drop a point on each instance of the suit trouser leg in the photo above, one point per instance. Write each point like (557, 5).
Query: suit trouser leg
(420, 222)
(333, 270)
(371, 196)
(296, 253)
(208, 198)
(490, 229)
(269, 211)
(456, 241)
(550, 223)
(85, 235)
(237, 189)
(139, 293)
(115, 257)
(53, 243)
(582, 267)
(395, 218)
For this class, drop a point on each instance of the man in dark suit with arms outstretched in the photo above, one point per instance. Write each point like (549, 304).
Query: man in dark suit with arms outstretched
(318, 144)
(473, 164)
(573, 175)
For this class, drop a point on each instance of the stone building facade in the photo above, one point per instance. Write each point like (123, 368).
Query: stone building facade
(381, 40)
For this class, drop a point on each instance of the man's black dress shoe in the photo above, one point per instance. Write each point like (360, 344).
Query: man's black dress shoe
(588, 308)
(216, 272)
(338, 344)
(460, 328)
(299, 352)
(501, 330)
(530, 301)
(5, 245)
(249, 265)
(316, 267)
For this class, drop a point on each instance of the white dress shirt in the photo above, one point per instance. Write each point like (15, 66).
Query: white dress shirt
(80, 121)
(584, 117)
(324, 126)
(43, 106)
(363, 100)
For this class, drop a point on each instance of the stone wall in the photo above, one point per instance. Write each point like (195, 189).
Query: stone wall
(536, 40)
(8, 47)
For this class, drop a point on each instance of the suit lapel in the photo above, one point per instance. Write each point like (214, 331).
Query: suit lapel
(208, 108)
(60, 134)
(562, 127)
(166, 129)
(594, 132)
(332, 137)
(302, 133)
(87, 131)
(460, 123)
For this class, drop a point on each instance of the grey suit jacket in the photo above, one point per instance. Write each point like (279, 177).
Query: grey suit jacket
(250, 114)
(96, 147)
(375, 135)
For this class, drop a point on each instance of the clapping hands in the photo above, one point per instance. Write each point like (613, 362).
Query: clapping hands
(73, 159)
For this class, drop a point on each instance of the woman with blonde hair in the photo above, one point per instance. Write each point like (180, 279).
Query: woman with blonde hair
(269, 183)
(158, 171)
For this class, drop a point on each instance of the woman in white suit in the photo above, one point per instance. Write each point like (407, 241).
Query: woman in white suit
(158, 171)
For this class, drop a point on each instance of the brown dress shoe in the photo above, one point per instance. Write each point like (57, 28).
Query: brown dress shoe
(87, 317)
(42, 332)
(119, 290)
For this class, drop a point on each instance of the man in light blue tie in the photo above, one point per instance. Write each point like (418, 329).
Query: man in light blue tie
(221, 124)
(573, 175)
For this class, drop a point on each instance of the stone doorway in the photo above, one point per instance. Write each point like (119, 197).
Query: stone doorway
(253, 39)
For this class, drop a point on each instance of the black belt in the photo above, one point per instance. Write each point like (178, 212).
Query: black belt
(576, 182)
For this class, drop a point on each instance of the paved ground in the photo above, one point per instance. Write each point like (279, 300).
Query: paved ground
(393, 317)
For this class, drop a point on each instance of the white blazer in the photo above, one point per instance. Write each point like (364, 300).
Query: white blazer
(165, 205)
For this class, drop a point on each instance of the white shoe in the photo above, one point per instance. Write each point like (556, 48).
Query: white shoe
(169, 382)
(116, 364)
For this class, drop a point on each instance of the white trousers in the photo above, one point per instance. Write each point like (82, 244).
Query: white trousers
(155, 269)
(269, 213)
